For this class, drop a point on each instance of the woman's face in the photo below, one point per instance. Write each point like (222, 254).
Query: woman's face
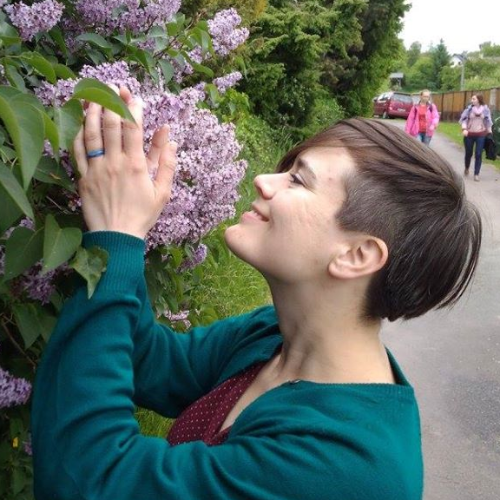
(474, 100)
(425, 96)
(291, 230)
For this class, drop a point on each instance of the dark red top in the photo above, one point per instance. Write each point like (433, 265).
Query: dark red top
(203, 419)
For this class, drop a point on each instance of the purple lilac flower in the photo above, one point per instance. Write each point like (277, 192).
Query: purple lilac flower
(37, 286)
(225, 35)
(199, 255)
(180, 317)
(117, 73)
(27, 447)
(227, 81)
(30, 20)
(13, 391)
(107, 16)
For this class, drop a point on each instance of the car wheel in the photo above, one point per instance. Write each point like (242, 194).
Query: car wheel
(385, 115)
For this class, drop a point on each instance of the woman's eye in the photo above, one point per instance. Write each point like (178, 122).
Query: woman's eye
(295, 179)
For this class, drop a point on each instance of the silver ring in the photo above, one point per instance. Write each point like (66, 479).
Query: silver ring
(95, 153)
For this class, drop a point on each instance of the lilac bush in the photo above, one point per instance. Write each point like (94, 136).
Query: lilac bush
(30, 20)
(48, 50)
(13, 391)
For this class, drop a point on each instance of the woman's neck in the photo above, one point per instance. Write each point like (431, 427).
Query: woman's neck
(325, 341)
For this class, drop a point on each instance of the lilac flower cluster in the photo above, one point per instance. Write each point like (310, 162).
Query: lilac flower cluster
(106, 16)
(117, 73)
(13, 391)
(208, 172)
(206, 181)
(225, 34)
(227, 81)
(27, 447)
(180, 317)
(30, 20)
(199, 255)
(37, 286)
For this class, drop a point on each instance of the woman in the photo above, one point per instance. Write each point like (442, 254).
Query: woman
(476, 125)
(300, 400)
(423, 118)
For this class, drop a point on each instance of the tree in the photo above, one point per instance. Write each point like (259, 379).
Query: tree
(489, 50)
(296, 50)
(413, 53)
(440, 59)
(380, 25)
(421, 75)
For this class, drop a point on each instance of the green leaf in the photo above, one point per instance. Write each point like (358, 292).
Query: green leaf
(15, 79)
(52, 134)
(145, 58)
(9, 211)
(96, 40)
(90, 263)
(57, 35)
(68, 120)
(59, 244)
(167, 69)
(25, 125)
(41, 64)
(63, 71)
(8, 35)
(33, 321)
(202, 69)
(95, 91)
(123, 39)
(14, 191)
(23, 249)
(50, 171)
(19, 481)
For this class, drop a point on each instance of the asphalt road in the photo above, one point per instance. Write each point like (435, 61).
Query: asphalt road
(452, 358)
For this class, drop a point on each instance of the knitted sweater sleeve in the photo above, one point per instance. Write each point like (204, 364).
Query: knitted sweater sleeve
(86, 441)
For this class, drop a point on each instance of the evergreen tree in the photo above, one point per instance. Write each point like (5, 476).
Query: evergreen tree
(413, 53)
(381, 23)
(440, 59)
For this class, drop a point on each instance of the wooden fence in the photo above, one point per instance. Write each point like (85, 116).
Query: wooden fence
(451, 104)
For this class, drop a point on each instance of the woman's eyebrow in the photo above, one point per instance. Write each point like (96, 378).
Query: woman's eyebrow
(303, 165)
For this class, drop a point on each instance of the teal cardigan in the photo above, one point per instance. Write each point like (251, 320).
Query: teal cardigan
(300, 441)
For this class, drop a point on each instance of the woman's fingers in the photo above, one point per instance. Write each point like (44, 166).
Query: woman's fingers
(92, 130)
(166, 170)
(112, 130)
(132, 132)
(160, 139)
(80, 152)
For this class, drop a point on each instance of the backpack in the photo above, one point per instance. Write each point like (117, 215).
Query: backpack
(490, 147)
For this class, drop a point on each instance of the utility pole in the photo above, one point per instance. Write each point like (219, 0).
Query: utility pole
(463, 58)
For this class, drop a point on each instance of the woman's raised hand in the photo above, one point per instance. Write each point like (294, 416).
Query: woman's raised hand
(116, 188)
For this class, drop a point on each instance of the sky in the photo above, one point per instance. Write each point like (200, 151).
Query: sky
(461, 25)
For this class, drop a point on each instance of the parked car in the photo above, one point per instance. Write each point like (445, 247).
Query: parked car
(392, 104)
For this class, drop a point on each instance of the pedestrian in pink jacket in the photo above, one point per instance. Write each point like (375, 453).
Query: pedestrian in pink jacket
(423, 118)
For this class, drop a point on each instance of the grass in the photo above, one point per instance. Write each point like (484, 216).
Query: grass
(453, 131)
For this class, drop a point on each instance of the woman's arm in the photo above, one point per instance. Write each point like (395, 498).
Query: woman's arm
(410, 120)
(434, 116)
(488, 122)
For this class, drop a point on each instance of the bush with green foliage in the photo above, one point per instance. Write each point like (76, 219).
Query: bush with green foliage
(48, 67)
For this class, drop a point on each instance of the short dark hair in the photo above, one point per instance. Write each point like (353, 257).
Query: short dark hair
(410, 197)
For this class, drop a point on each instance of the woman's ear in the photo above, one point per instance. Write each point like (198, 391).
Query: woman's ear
(364, 255)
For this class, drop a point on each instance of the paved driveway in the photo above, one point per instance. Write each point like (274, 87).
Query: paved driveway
(453, 360)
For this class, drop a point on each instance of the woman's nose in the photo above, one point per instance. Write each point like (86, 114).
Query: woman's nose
(267, 184)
